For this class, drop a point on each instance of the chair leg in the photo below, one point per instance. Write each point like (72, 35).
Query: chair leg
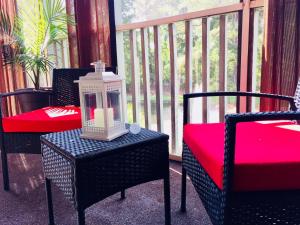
(80, 217)
(5, 170)
(167, 199)
(49, 201)
(183, 190)
(123, 194)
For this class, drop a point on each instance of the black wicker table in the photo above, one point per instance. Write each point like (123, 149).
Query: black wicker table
(87, 171)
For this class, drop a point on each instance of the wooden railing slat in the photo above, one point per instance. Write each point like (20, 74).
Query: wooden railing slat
(205, 66)
(146, 77)
(188, 56)
(222, 66)
(254, 58)
(121, 57)
(174, 86)
(134, 77)
(121, 70)
(158, 79)
(188, 61)
(244, 54)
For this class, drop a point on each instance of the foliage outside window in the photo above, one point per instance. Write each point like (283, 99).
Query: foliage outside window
(141, 10)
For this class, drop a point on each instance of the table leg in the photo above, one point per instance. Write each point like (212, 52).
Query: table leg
(80, 217)
(123, 194)
(5, 170)
(167, 199)
(183, 190)
(49, 202)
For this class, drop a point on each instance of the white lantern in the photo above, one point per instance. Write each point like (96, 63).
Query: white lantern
(101, 104)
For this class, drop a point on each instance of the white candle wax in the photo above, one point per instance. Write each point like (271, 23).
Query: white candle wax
(99, 117)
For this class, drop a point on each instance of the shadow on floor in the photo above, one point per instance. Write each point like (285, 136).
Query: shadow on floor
(26, 204)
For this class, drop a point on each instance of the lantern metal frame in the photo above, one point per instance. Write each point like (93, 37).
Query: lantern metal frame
(100, 84)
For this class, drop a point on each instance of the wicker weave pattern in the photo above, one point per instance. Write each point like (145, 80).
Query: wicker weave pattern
(246, 208)
(209, 193)
(65, 92)
(102, 168)
(73, 145)
(266, 208)
(60, 171)
(297, 96)
(243, 208)
(105, 176)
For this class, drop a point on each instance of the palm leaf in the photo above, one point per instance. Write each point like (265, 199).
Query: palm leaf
(39, 24)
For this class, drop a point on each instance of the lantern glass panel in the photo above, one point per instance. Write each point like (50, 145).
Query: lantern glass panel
(113, 103)
(93, 104)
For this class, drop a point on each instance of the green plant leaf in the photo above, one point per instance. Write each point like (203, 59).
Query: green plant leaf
(39, 24)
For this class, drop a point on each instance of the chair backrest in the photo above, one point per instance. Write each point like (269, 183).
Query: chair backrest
(297, 96)
(65, 91)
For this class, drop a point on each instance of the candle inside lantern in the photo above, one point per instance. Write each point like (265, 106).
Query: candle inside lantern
(99, 117)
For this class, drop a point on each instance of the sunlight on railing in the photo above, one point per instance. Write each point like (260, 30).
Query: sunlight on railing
(197, 51)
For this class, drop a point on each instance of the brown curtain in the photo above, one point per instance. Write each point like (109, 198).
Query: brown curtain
(90, 39)
(281, 51)
(11, 77)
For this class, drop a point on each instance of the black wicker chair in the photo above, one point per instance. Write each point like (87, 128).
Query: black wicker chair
(64, 92)
(227, 206)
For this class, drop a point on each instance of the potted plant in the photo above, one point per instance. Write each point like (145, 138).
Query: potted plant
(27, 36)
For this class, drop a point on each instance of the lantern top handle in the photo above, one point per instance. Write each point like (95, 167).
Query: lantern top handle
(99, 66)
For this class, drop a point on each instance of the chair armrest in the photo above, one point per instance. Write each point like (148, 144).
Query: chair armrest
(25, 91)
(231, 120)
(186, 97)
(238, 94)
(16, 93)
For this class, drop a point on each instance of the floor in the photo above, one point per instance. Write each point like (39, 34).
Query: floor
(25, 204)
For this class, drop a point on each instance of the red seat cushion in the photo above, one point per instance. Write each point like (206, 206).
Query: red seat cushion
(267, 155)
(49, 119)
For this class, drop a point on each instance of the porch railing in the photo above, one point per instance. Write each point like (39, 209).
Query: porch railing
(247, 34)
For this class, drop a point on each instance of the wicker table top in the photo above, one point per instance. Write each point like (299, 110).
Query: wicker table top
(71, 145)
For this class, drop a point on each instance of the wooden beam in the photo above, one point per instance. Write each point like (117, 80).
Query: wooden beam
(182, 17)
(134, 77)
(174, 86)
(146, 77)
(257, 4)
(175, 157)
(190, 16)
(158, 79)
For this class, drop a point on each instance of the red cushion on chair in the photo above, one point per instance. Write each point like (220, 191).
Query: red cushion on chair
(267, 155)
(42, 120)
